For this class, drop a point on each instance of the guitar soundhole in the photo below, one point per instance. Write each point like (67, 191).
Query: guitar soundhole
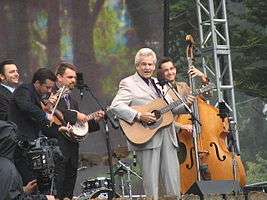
(156, 113)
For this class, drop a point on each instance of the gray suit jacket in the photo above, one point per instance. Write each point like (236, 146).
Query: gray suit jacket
(133, 91)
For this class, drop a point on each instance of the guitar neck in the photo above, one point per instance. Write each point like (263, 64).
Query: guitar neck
(91, 116)
(178, 104)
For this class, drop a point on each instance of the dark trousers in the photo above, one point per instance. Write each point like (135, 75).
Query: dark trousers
(66, 170)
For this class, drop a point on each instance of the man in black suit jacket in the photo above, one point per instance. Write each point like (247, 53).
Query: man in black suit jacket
(66, 171)
(9, 79)
(26, 111)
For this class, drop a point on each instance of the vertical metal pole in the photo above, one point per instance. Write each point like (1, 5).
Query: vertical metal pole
(215, 47)
(166, 27)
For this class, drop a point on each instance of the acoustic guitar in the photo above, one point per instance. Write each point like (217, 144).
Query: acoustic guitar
(140, 133)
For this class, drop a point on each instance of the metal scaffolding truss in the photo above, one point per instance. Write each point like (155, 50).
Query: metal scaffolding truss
(215, 50)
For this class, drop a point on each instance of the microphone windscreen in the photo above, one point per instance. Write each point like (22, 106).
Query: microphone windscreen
(80, 81)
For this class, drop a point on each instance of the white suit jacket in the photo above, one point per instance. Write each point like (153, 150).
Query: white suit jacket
(134, 91)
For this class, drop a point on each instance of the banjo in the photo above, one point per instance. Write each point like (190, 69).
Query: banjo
(79, 129)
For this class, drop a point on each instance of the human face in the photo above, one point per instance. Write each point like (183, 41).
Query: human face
(67, 79)
(146, 67)
(168, 70)
(44, 88)
(11, 75)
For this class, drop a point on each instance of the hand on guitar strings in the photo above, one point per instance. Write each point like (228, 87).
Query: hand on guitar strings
(67, 128)
(147, 117)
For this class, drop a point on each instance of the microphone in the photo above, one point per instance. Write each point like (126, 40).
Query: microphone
(112, 118)
(80, 84)
(161, 80)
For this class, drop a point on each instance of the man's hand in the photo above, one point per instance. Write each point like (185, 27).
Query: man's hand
(190, 99)
(98, 115)
(30, 187)
(67, 128)
(82, 117)
(187, 127)
(193, 72)
(53, 99)
(147, 117)
(50, 197)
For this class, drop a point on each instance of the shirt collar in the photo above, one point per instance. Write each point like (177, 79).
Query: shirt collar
(145, 79)
(11, 89)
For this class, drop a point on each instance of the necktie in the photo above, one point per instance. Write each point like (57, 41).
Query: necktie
(155, 87)
(67, 100)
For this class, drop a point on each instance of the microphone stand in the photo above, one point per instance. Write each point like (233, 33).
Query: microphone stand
(108, 118)
(194, 119)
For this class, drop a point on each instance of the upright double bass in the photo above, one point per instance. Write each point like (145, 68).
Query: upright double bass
(206, 155)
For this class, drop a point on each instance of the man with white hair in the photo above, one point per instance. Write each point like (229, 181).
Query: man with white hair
(158, 156)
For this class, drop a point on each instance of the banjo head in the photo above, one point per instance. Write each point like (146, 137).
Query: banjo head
(80, 130)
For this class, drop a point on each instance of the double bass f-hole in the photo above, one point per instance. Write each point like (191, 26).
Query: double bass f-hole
(217, 151)
(191, 159)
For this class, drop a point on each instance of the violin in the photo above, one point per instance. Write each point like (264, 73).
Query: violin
(51, 108)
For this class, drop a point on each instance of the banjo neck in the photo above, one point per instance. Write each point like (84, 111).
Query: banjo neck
(91, 116)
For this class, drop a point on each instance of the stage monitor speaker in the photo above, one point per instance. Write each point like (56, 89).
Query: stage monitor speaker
(203, 188)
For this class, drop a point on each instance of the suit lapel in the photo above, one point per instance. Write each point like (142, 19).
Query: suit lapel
(143, 86)
(181, 89)
(6, 92)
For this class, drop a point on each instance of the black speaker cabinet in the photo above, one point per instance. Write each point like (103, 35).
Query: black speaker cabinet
(203, 188)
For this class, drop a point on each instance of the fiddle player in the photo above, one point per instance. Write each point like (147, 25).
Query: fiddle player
(66, 171)
(158, 157)
(26, 112)
(168, 71)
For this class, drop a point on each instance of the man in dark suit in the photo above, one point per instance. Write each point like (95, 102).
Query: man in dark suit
(26, 111)
(66, 171)
(9, 79)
